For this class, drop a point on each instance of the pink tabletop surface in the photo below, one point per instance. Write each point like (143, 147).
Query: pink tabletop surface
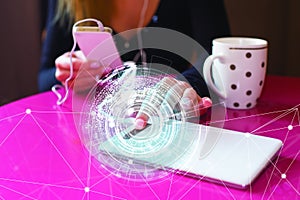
(41, 155)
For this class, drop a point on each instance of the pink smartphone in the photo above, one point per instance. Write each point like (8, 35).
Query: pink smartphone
(98, 45)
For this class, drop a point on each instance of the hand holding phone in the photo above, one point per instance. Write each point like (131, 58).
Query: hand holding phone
(97, 45)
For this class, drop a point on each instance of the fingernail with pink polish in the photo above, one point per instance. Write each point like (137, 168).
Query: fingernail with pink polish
(140, 124)
(207, 102)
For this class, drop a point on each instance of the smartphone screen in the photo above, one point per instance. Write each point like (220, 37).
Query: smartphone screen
(98, 45)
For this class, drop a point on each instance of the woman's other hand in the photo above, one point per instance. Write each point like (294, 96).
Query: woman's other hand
(175, 93)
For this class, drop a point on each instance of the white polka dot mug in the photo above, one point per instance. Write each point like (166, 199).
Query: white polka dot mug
(236, 70)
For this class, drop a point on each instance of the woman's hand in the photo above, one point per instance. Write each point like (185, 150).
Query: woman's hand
(175, 93)
(85, 73)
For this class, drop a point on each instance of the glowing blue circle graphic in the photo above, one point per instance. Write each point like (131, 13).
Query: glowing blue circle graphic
(108, 125)
(107, 112)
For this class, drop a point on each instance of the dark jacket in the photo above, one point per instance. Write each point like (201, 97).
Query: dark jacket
(199, 20)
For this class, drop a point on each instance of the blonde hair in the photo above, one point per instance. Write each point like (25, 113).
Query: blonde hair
(74, 10)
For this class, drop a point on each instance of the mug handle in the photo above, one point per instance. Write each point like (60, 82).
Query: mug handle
(208, 77)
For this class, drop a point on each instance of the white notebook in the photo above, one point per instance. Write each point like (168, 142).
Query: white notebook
(214, 154)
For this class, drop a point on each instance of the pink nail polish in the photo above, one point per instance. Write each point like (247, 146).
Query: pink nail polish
(206, 102)
(140, 124)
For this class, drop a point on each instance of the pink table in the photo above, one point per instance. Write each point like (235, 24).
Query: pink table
(41, 156)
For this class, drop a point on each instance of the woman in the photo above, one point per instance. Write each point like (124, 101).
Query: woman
(201, 20)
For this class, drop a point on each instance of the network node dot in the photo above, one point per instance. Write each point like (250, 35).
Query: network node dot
(283, 176)
(290, 127)
(28, 111)
(87, 189)
(247, 135)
